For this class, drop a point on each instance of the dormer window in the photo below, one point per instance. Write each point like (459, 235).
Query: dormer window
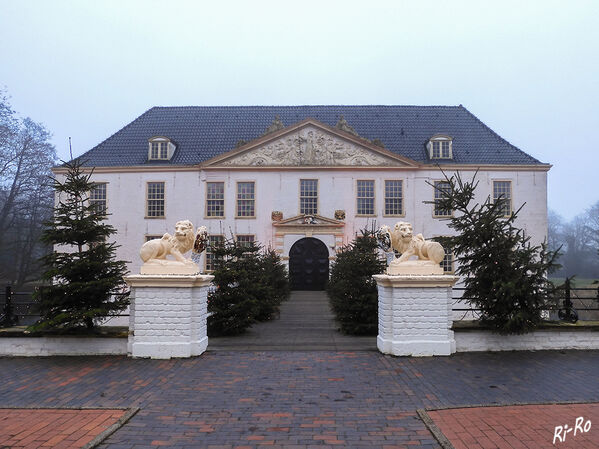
(440, 147)
(160, 149)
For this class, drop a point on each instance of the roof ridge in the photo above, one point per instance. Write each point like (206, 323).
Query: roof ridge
(485, 126)
(312, 105)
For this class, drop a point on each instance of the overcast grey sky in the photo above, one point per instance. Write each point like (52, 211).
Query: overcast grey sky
(529, 70)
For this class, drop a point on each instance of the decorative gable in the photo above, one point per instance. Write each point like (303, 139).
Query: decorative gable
(310, 144)
(310, 221)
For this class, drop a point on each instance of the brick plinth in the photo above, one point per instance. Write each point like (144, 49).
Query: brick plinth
(415, 315)
(168, 315)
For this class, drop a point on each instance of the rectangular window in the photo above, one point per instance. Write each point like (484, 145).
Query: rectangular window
(365, 197)
(246, 199)
(155, 199)
(97, 198)
(441, 149)
(445, 150)
(215, 199)
(152, 237)
(211, 259)
(502, 193)
(309, 196)
(441, 187)
(436, 149)
(447, 263)
(394, 197)
(159, 150)
(245, 239)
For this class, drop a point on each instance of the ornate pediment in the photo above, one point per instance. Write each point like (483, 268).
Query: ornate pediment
(311, 145)
(309, 221)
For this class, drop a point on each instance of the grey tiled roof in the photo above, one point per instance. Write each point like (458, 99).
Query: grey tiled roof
(203, 132)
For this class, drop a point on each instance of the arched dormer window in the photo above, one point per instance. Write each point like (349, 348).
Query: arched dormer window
(440, 147)
(160, 148)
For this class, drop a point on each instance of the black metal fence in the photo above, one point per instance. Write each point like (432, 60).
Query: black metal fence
(566, 304)
(19, 308)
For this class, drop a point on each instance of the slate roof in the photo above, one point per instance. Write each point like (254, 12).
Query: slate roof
(203, 132)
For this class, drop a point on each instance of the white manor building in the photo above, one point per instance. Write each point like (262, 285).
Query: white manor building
(257, 172)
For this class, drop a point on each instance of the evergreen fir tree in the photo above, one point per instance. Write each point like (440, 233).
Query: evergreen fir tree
(232, 306)
(85, 278)
(352, 290)
(277, 277)
(505, 276)
(250, 287)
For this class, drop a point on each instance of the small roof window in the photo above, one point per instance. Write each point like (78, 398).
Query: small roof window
(160, 148)
(440, 147)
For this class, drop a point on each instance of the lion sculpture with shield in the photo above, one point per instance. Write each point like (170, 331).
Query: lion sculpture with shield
(401, 240)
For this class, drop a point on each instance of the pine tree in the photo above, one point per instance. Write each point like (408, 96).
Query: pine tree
(352, 290)
(251, 284)
(84, 276)
(505, 275)
(232, 306)
(277, 277)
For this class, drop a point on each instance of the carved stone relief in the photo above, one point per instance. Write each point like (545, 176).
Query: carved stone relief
(311, 146)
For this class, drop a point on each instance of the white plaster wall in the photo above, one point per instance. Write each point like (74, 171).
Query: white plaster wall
(472, 341)
(49, 346)
(279, 190)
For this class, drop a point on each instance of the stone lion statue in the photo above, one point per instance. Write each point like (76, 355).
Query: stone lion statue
(401, 239)
(176, 245)
(154, 252)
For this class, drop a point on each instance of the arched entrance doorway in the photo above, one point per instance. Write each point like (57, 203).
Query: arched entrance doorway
(308, 264)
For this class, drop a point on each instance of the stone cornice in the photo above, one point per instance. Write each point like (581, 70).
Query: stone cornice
(441, 280)
(197, 168)
(172, 281)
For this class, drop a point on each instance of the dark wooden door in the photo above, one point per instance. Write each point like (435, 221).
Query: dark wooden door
(308, 264)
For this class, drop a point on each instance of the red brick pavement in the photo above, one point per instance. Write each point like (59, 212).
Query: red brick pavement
(293, 400)
(53, 428)
(520, 426)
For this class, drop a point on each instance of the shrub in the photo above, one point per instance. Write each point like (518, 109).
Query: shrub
(351, 288)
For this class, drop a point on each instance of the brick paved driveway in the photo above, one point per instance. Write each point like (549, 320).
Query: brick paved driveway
(293, 399)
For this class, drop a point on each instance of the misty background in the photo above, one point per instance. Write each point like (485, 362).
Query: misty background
(529, 70)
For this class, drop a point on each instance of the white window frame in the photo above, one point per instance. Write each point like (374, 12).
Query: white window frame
(511, 195)
(209, 256)
(237, 200)
(206, 210)
(93, 201)
(154, 199)
(252, 238)
(449, 256)
(403, 208)
(435, 191)
(444, 144)
(301, 210)
(164, 148)
(358, 214)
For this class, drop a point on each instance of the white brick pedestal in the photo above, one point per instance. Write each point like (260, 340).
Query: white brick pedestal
(415, 315)
(168, 315)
